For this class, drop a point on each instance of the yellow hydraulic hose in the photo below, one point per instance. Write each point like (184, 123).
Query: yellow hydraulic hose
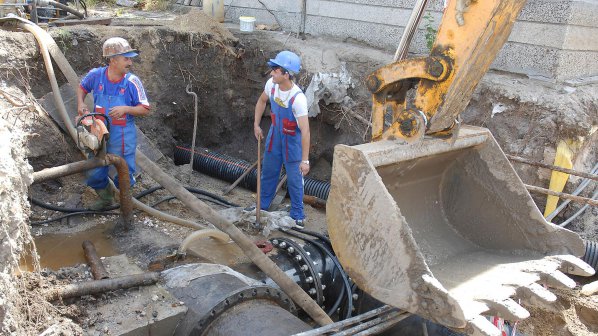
(213, 233)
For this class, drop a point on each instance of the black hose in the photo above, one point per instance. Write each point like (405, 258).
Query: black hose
(314, 234)
(168, 198)
(230, 169)
(591, 255)
(102, 213)
(137, 196)
(338, 265)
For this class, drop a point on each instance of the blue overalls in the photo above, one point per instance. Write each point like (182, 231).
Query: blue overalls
(123, 135)
(283, 145)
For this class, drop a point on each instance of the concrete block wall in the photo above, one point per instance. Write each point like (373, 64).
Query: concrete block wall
(552, 39)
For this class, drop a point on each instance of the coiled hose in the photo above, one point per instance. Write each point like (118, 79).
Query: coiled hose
(229, 169)
(591, 255)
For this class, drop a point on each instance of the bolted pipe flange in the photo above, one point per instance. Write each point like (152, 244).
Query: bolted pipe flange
(243, 295)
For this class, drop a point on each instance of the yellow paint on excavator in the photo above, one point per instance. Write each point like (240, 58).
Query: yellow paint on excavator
(445, 231)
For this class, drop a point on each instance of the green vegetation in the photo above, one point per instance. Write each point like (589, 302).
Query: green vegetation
(431, 31)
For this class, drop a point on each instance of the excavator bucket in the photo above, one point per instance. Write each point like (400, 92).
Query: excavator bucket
(446, 231)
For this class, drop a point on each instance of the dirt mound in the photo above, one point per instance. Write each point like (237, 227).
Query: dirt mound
(197, 21)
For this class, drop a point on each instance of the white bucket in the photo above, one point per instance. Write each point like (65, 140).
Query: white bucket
(247, 23)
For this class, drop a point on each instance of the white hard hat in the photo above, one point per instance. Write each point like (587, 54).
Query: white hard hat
(117, 46)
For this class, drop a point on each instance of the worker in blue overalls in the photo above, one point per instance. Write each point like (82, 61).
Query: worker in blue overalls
(118, 94)
(288, 138)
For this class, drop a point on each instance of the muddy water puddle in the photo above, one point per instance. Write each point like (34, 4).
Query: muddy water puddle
(64, 250)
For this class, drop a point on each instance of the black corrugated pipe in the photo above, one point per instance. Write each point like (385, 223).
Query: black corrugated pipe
(229, 169)
(591, 255)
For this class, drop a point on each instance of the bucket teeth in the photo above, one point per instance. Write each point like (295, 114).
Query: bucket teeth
(536, 295)
(557, 279)
(507, 309)
(573, 265)
(480, 326)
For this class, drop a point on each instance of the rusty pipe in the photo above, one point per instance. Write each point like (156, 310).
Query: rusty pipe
(124, 185)
(67, 169)
(126, 201)
(95, 263)
(101, 286)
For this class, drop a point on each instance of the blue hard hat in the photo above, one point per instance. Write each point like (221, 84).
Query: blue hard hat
(287, 60)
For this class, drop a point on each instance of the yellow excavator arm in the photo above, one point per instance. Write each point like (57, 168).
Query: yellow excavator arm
(469, 38)
(445, 229)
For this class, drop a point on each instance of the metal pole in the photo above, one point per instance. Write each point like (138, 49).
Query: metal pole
(579, 199)
(410, 30)
(95, 263)
(102, 286)
(245, 173)
(551, 167)
(188, 89)
(258, 209)
(344, 323)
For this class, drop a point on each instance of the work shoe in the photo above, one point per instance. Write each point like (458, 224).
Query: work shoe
(105, 200)
(300, 223)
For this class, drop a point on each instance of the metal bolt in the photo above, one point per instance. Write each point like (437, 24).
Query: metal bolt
(283, 245)
(291, 250)
(355, 296)
(306, 252)
(323, 287)
(298, 258)
(304, 268)
(312, 291)
(320, 275)
(275, 242)
(309, 279)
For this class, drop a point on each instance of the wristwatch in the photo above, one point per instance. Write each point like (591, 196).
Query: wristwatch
(306, 162)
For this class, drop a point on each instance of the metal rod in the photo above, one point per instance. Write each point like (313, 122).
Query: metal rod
(188, 89)
(552, 167)
(67, 169)
(102, 286)
(369, 324)
(410, 30)
(579, 199)
(95, 263)
(377, 329)
(258, 209)
(245, 173)
(34, 12)
(344, 323)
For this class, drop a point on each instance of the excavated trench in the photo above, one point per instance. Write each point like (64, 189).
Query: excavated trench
(228, 73)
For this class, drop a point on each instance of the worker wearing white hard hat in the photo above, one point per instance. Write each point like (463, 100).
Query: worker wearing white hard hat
(118, 94)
